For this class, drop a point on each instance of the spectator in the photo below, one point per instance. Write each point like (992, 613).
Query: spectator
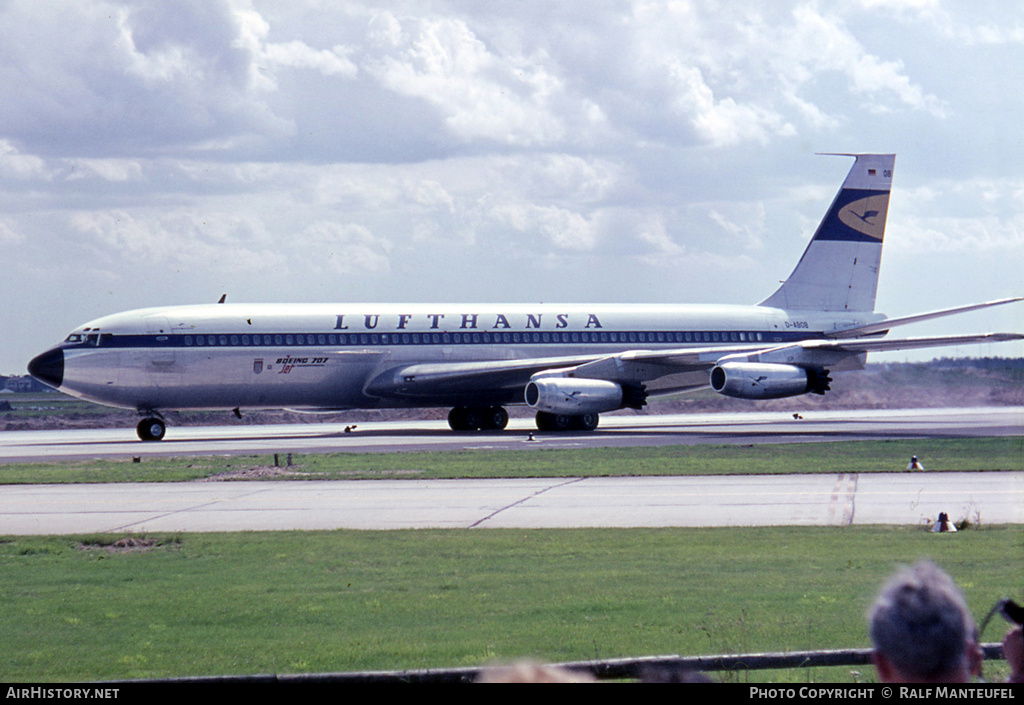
(922, 631)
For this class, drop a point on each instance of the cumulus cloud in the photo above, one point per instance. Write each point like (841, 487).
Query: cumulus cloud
(479, 94)
(110, 170)
(82, 78)
(20, 166)
(345, 248)
(9, 235)
(987, 218)
(561, 229)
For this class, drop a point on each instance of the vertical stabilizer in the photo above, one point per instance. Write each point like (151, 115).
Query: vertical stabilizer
(839, 268)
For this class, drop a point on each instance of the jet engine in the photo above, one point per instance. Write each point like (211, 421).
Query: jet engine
(748, 380)
(573, 395)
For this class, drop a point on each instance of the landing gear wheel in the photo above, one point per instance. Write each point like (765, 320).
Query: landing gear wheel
(474, 418)
(456, 418)
(565, 422)
(151, 429)
(495, 418)
(465, 418)
(553, 422)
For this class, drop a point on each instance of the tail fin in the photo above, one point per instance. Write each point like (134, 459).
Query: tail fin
(839, 268)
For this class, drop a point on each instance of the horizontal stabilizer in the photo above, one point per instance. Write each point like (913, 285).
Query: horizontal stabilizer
(883, 326)
(866, 345)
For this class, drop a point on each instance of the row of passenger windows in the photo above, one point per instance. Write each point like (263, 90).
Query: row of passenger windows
(471, 338)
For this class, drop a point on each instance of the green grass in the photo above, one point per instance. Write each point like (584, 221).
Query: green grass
(293, 602)
(937, 454)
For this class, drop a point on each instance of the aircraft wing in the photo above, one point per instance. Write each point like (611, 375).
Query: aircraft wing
(639, 367)
(634, 366)
(802, 352)
(441, 378)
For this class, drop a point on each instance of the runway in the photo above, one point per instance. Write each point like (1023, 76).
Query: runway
(798, 500)
(615, 430)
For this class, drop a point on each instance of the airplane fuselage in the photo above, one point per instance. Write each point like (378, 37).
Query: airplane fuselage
(326, 356)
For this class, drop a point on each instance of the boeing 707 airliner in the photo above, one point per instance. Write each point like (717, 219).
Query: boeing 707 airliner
(569, 363)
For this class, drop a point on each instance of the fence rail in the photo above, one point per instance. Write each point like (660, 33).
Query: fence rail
(607, 669)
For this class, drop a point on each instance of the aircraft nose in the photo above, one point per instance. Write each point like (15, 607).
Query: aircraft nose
(48, 367)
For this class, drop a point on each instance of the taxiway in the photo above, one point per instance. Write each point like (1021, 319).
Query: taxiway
(529, 503)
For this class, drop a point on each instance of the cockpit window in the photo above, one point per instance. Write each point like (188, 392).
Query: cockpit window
(95, 339)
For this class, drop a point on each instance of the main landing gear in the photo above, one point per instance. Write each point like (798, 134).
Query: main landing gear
(476, 418)
(151, 429)
(566, 422)
(495, 418)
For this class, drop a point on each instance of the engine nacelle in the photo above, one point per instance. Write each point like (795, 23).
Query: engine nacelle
(573, 395)
(750, 380)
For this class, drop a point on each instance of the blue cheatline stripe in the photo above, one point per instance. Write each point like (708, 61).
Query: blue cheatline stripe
(617, 338)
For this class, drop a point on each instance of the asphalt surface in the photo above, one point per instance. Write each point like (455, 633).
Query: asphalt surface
(827, 499)
(791, 500)
(619, 430)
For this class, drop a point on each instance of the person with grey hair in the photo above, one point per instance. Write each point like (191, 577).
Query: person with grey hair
(922, 630)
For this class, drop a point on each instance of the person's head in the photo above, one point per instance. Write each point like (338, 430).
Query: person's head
(922, 630)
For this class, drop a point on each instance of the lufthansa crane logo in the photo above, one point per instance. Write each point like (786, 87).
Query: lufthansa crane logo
(867, 215)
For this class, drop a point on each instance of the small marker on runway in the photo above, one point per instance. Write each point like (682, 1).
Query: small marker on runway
(943, 524)
(915, 464)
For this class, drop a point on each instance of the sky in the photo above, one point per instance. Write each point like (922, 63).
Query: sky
(156, 153)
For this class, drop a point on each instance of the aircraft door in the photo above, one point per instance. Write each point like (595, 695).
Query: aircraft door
(157, 358)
